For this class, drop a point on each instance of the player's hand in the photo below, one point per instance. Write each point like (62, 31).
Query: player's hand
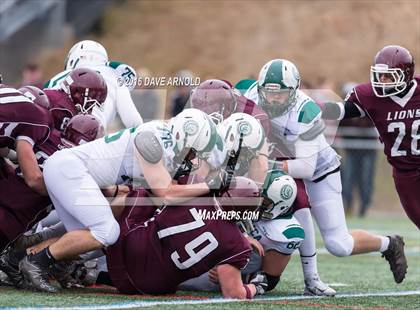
(256, 245)
(219, 182)
(213, 276)
(260, 282)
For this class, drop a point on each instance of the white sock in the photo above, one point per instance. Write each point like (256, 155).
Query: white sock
(307, 249)
(384, 243)
(309, 266)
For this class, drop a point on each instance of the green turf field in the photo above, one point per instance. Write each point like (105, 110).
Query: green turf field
(363, 282)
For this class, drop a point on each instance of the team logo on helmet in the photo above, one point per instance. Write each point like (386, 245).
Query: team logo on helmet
(286, 192)
(244, 128)
(191, 127)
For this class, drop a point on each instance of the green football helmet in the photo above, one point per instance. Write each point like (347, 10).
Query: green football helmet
(278, 83)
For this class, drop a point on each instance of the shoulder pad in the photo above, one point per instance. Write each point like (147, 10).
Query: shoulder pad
(148, 146)
(125, 72)
(308, 112)
(314, 131)
(364, 90)
(244, 85)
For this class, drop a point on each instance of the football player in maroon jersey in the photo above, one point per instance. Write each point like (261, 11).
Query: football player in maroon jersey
(22, 125)
(80, 91)
(20, 206)
(154, 256)
(392, 102)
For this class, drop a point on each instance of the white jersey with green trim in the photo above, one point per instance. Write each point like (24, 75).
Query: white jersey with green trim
(283, 235)
(297, 121)
(118, 99)
(112, 160)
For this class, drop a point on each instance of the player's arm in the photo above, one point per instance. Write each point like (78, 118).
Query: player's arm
(126, 108)
(303, 167)
(341, 110)
(29, 166)
(160, 183)
(351, 107)
(259, 166)
(232, 286)
(149, 154)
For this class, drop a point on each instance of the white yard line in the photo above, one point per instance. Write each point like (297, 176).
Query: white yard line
(140, 304)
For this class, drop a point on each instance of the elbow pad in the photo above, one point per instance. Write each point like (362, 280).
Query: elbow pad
(317, 129)
(148, 146)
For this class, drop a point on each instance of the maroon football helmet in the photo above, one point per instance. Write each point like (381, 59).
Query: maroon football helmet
(36, 95)
(243, 195)
(81, 129)
(392, 72)
(217, 98)
(86, 88)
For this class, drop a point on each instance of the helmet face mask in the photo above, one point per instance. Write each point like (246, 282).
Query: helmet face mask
(387, 81)
(276, 102)
(88, 103)
(392, 72)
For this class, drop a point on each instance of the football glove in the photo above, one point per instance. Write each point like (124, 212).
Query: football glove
(260, 282)
(219, 182)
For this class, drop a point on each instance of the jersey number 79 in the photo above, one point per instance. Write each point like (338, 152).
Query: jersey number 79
(205, 237)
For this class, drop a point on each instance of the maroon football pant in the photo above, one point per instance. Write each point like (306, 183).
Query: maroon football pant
(20, 206)
(302, 200)
(408, 187)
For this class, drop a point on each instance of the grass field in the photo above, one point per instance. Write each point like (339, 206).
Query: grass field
(363, 282)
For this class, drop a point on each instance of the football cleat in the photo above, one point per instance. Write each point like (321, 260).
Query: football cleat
(4, 280)
(315, 287)
(396, 257)
(86, 273)
(62, 272)
(36, 276)
(12, 271)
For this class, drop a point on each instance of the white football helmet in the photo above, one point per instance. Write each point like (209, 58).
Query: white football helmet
(86, 53)
(193, 129)
(279, 193)
(243, 131)
(278, 82)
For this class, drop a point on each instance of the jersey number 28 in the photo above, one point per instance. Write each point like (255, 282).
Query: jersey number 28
(190, 247)
(415, 136)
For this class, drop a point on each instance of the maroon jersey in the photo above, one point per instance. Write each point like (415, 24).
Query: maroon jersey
(175, 245)
(397, 121)
(20, 118)
(20, 206)
(247, 106)
(49, 147)
(62, 108)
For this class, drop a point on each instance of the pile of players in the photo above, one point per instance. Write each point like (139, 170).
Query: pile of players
(137, 196)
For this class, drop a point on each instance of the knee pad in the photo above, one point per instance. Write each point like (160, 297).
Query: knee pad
(107, 232)
(339, 244)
